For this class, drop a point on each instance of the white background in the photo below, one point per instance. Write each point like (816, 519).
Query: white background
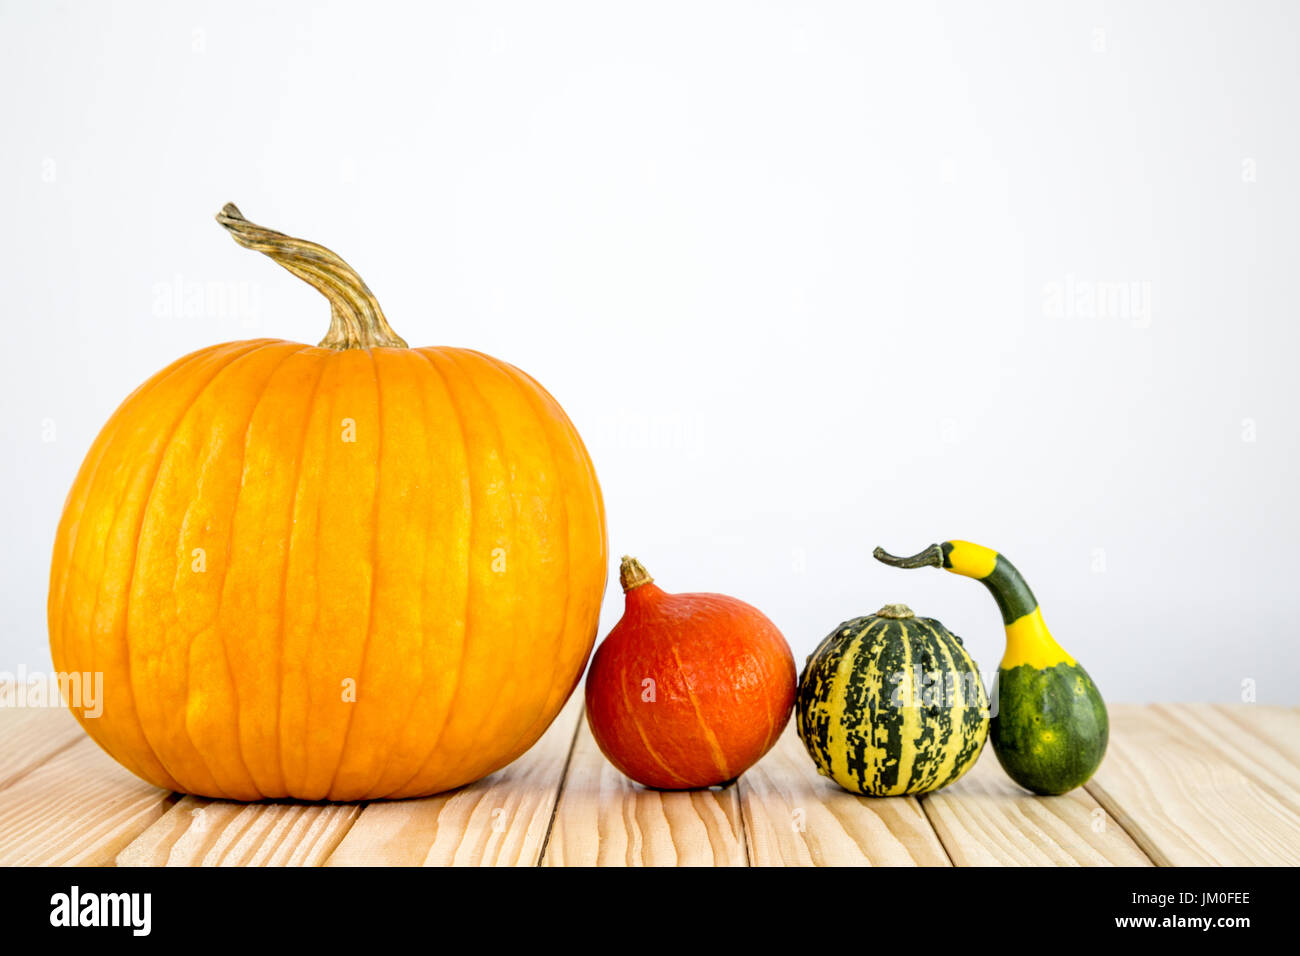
(807, 277)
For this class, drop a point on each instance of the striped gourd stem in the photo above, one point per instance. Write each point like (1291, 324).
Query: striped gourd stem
(1028, 640)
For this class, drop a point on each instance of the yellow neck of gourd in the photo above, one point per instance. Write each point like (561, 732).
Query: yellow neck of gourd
(1030, 642)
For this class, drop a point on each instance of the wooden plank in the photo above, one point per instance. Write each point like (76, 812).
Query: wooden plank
(201, 832)
(79, 808)
(501, 820)
(1258, 757)
(1186, 803)
(605, 819)
(31, 735)
(985, 819)
(1278, 727)
(796, 817)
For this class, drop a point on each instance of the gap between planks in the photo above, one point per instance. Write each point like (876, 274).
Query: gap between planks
(32, 735)
(986, 819)
(796, 817)
(604, 819)
(63, 800)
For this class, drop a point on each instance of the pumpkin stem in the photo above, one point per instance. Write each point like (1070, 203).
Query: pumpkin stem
(632, 574)
(356, 321)
(931, 557)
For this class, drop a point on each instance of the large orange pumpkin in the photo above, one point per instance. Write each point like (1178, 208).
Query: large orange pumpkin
(347, 571)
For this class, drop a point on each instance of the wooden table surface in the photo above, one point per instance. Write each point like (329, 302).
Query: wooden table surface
(1181, 784)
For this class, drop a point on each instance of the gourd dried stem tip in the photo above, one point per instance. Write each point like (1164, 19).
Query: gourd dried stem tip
(356, 321)
(931, 557)
(632, 574)
(896, 612)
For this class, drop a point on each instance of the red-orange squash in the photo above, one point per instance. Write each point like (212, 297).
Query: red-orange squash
(347, 571)
(687, 690)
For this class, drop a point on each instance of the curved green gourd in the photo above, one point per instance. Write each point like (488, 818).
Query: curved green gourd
(1049, 727)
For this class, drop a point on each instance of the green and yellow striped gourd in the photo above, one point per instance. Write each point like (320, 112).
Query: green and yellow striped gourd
(892, 704)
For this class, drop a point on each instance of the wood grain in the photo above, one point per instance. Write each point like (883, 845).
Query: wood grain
(605, 819)
(1268, 737)
(201, 832)
(79, 807)
(501, 820)
(1187, 803)
(985, 819)
(795, 817)
(31, 735)
(1182, 784)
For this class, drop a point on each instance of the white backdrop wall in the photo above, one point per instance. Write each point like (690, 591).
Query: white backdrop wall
(808, 277)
